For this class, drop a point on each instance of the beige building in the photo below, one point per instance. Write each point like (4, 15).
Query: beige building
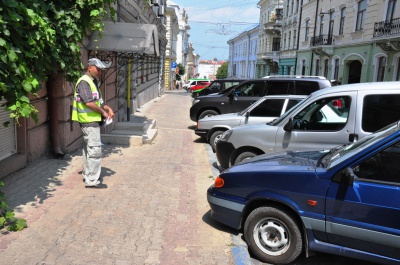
(269, 37)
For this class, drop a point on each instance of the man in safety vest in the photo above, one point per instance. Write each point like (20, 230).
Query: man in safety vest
(88, 109)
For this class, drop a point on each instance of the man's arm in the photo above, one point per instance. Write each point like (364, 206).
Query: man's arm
(104, 112)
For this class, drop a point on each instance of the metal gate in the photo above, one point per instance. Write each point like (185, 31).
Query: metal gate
(8, 139)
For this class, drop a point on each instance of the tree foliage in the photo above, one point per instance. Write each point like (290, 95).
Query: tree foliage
(181, 72)
(39, 37)
(7, 215)
(222, 71)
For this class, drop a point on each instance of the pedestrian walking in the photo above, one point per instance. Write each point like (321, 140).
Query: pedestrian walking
(89, 110)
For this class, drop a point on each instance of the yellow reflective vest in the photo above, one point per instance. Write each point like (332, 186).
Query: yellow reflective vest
(80, 112)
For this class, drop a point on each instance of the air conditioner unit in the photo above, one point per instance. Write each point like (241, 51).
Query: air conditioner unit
(161, 11)
(154, 2)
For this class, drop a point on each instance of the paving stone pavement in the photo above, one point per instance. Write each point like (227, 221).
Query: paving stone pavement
(154, 211)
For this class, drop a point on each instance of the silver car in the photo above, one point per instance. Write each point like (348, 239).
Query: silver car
(327, 118)
(264, 110)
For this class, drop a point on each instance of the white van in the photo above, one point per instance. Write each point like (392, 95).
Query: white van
(327, 118)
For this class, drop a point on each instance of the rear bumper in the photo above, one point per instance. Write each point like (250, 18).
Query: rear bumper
(225, 211)
(202, 133)
(224, 151)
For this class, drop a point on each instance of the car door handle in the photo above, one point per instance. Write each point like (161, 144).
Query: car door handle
(353, 137)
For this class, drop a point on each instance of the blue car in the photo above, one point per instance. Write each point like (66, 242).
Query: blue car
(344, 201)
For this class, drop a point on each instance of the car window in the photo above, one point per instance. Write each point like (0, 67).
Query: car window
(306, 87)
(250, 89)
(324, 115)
(231, 84)
(379, 111)
(292, 103)
(268, 108)
(383, 166)
(280, 88)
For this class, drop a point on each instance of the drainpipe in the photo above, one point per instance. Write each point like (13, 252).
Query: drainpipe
(298, 35)
(53, 116)
(315, 29)
(128, 108)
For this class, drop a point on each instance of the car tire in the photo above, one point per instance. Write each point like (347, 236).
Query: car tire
(243, 156)
(273, 235)
(214, 138)
(208, 113)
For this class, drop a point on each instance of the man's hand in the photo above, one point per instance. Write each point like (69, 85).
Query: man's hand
(109, 111)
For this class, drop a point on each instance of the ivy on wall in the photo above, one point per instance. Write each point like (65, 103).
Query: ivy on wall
(40, 37)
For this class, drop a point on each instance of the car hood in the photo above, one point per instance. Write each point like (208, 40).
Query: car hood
(222, 117)
(284, 161)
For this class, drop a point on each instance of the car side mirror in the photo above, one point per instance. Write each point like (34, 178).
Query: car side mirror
(289, 126)
(348, 177)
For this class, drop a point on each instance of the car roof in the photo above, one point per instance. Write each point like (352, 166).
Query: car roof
(285, 96)
(283, 78)
(296, 77)
(395, 85)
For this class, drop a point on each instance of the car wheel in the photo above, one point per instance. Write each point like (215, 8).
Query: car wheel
(207, 113)
(273, 235)
(215, 138)
(243, 156)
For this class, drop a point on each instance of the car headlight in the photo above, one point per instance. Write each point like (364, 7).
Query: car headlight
(195, 101)
(225, 136)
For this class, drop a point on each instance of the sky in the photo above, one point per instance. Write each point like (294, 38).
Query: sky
(214, 22)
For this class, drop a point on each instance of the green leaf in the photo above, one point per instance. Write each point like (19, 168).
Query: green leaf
(10, 3)
(24, 99)
(27, 86)
(94, 13)
(69, 33)
(2, 42)
(12, 56)
(2, 221)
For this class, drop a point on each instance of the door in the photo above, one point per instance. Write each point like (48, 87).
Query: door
(366, 216)
(354, 72)
(326, 122)
(244, 95)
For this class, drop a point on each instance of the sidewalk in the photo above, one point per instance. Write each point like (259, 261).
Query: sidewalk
(154, 211)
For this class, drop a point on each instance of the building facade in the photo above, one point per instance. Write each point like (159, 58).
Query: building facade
(172, 26)
(243, 54)
(290, 17)
(269, 43)
(351, 42)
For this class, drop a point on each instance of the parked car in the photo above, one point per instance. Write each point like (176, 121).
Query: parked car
(217, 86)
(327, 118)
(199, 85)
(344, 201)
(243, 95)
(264, 110)
(194, 81)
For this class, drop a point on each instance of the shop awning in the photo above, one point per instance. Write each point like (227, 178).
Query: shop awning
(126, 38)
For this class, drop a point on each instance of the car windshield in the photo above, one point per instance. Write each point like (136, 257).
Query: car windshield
(287, 113)
(341, 153)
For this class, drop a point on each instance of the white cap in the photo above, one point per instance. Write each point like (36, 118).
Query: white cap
(99, 64)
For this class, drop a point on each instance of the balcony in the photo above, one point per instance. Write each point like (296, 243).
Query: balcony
(271, 56)
(387, 28)
(322, 40)
(274, 25)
